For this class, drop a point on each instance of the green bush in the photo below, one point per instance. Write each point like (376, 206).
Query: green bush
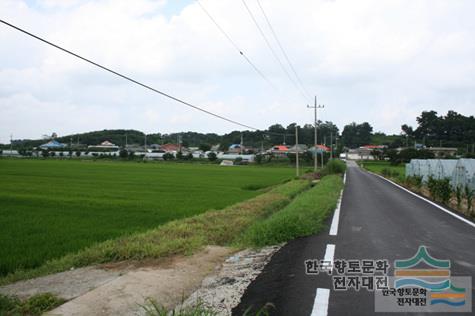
(439, 189)
(258, 159)
(459, 196)
(212, 156)
(168, 156)
(415, 181)
(432, 186)
(123, 154)
(469, 197)
(335, 166)
(444, 190)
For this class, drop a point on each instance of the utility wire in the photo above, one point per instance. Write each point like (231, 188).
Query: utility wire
(233, 43)
(282, 49)
(134, 81)
(274, 54)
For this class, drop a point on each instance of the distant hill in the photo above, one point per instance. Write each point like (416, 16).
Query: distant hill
(116, 136)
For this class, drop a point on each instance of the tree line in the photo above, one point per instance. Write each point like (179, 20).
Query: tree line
(450, 130)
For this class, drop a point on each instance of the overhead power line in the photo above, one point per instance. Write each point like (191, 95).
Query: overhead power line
(127, 78)
(274, 54)
(274, 34)
(135, 81)
(233, 43)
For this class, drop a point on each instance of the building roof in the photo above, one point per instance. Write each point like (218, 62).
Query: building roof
(107, 144)
(53, 144)
(299, 148)
(323, 147)
(374, 146)
(235, 146)
(280, 148)
(171, 147)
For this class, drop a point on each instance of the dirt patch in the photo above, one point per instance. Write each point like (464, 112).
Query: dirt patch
(222, 291)
(124, 294)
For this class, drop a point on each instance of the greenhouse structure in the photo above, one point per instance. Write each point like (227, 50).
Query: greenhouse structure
(445, 168)
(461, 172)
(464, 173)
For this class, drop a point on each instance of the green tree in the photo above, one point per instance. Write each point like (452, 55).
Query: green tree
(205, 147)
(355, 135)
(212, 156)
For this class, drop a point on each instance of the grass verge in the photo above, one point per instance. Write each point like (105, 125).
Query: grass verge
(384, 168)
(35, 305)
(302, 217)
(183, 236)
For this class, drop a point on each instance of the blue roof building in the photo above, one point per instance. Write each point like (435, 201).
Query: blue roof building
(52, 144)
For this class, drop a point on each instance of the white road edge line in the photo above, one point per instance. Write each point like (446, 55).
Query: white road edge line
(329, 253)
(320, 305)
(427, 200)
(336, 217)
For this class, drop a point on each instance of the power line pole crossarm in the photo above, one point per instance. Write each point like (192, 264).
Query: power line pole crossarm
(316, 107)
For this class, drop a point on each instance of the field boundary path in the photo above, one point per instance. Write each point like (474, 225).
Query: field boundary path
(377, 220)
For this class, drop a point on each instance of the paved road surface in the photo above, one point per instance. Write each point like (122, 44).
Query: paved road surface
(377, 220)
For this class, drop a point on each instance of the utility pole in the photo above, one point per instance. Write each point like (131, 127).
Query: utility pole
(11, 144)
(240, 147)
(126, 145)
(331, 145)
(296, 150)
(316, 107)
(145, 145)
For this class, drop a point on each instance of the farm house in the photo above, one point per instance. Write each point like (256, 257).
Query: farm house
(464, 173)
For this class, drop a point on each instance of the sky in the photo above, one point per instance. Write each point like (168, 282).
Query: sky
(383, 62)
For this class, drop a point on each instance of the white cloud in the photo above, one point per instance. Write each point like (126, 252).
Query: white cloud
(380, 61)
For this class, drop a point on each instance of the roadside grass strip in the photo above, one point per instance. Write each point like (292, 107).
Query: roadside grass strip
(184, 236)
(304, 216)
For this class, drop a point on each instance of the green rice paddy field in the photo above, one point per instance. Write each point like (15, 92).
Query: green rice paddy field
(52, 207)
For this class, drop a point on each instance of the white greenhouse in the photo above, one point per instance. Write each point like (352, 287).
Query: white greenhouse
(445, 168)
(464, 173)
(409, 170)
(416, 166)
(431, 169)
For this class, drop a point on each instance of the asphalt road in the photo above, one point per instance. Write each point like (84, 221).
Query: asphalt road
(377, 221)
